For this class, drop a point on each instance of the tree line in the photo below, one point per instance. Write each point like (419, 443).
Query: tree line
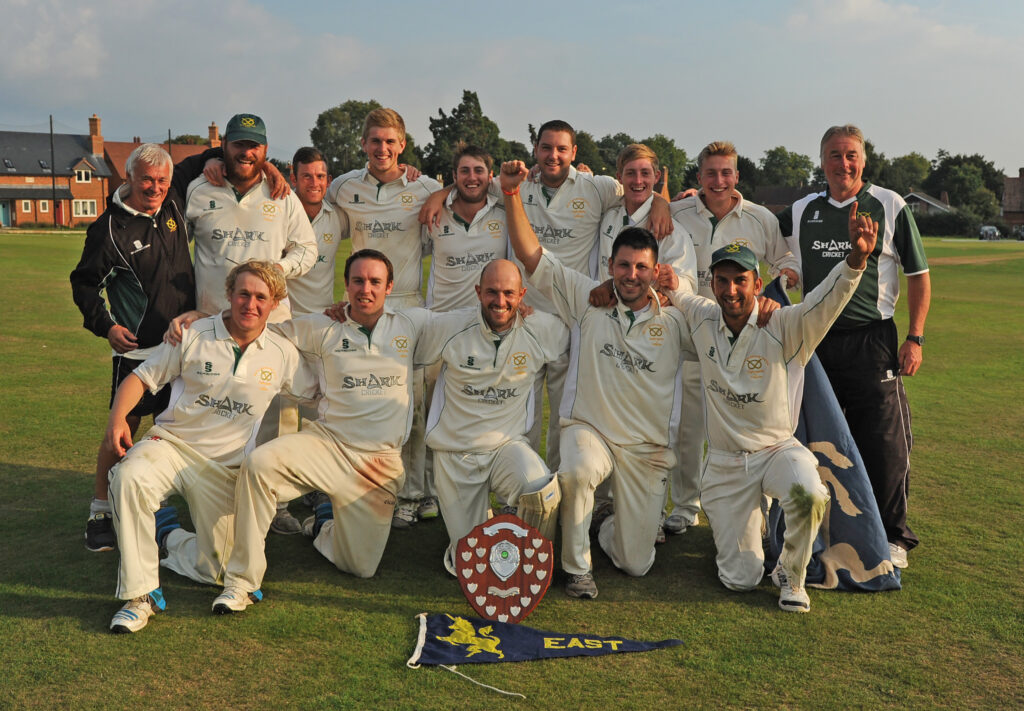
(973, 185)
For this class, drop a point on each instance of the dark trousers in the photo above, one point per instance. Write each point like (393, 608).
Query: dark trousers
(862, 366)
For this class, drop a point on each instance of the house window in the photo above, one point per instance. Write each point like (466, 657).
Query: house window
(26, 206)
(83, 176)
(44, 165)
(44, 206)
(83, 208)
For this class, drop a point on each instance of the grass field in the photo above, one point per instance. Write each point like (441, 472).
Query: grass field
(952, 638)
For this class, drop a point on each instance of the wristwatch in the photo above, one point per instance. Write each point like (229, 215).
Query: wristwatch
(919, 340)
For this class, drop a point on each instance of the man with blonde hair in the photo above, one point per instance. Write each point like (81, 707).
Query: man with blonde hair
(717, 216)
(861, 354)
(224, 373)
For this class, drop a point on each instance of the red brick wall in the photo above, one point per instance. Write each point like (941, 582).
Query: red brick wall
(96, 190)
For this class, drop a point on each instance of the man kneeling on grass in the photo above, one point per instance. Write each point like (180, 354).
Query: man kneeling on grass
(223, 374)
(751, 410)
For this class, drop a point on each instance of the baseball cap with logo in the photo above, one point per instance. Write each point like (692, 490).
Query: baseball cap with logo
(246, 127)
(735, 253)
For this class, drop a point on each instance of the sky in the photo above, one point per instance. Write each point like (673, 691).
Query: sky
(915, 76)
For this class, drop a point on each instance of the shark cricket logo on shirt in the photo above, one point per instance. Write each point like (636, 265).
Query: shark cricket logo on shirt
(225, 407)
(833, 249)
(546, 234)
(733, 399)
(377, 229)
(372, 384)
(624, 360)
(469, 262)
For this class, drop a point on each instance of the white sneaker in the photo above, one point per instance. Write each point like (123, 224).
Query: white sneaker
(235, 600)
(677, 524)
(791, 598)
(405, 514)
(136, 612)
(898, 555)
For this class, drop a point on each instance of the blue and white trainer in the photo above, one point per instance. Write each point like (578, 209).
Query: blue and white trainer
(235, 600)
(136, 612)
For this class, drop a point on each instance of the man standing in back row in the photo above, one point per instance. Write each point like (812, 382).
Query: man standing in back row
(861, 353)
(382, 206)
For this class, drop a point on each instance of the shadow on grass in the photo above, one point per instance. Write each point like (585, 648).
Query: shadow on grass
(48, 572)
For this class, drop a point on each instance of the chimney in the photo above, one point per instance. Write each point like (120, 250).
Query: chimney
(214, 135)
(136, 139)
(95, 137)
(944, 196)
(1020, 173)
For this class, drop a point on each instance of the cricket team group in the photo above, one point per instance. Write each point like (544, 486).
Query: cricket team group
(673, 385)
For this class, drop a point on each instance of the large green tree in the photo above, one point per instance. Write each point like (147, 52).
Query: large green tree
(905, 173)
(339, 130)
(782, 167)
(466, 123)
(942, 167)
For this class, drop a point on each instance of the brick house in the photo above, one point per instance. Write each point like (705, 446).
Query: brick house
(921, 203)
(72, 191)
(1012, 208)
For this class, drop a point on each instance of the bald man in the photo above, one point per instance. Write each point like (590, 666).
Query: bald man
(484, 405)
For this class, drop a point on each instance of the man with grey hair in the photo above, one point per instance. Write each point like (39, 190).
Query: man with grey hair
(861, 354)
(137, 251)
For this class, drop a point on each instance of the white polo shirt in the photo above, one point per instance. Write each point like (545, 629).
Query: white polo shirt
(676, 249)
(461, 251)
(385, 217)
(484, 394)
(314, 291)
(622, 364)
(753, 382)
(218, 392)
(365, 376)
(566, 221)
(747, 224)
(230, 229)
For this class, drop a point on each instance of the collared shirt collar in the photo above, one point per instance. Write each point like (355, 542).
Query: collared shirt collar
(221, 332)
(486, 329)
(368, 177)
(704, 211)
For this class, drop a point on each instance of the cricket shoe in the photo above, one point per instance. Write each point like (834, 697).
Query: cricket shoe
(659, 536)
(136, 612)
(427, 508)
(235, 600)
(677, 524)
(898, 555)
(405, 514)
(284, 523)
(791, 597)
(581, 586)
(99, 533)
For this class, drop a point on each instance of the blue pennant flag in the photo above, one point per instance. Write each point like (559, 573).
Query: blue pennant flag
(450, 639)
(851, 551)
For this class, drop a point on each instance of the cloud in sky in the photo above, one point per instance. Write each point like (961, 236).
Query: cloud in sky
(917, 77)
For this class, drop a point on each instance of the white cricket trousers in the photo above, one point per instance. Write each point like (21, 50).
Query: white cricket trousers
(154, 469)
(732, 485)
(638, 475)
(464, 481)
(361, 485)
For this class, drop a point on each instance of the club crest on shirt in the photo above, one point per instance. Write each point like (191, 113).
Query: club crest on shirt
(754, 366)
